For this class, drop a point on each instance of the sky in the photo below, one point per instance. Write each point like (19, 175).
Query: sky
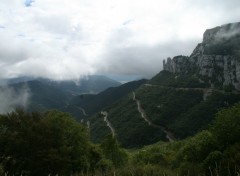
(69, 39)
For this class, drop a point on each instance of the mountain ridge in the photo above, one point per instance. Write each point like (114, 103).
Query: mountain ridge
(215, 61)
(88, 84)
(45, 94)
(184, 97)
(97, 102)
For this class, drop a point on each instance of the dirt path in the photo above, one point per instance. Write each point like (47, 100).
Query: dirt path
(169, 135)
(206, 91)
(83, 110)
(105, 114)
(88, 124)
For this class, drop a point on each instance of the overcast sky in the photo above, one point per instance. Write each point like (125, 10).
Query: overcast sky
(67, 39)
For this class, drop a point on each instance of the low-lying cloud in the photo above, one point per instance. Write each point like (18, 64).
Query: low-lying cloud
(11, 99)
(228, 32)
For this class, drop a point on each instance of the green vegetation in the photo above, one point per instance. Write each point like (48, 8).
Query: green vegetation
(182, 111)
(130, 128)
(165, 78)
(164, 105)
(95, 103)
(53, 143)
(113, 152)
(47, 94)
(43, 96)
(200, 115)
(214, 151)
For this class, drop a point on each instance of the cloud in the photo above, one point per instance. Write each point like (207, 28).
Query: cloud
(143, 60)
(227, 32)
(28, 3)
(67, 39)
(11, 99)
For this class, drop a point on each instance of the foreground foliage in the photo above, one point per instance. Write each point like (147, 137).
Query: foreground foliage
(53, 143)
(215, 151)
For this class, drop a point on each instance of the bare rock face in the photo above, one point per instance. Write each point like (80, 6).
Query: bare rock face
(216, 59)
(176, 65)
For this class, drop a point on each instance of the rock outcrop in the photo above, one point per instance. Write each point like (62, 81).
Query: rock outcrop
(216, 60)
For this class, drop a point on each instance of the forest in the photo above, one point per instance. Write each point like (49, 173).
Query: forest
(54, 143)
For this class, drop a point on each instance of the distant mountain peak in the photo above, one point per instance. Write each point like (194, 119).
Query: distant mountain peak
(216, 60)
(218, 33)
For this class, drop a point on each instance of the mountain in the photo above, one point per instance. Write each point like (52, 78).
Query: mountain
(215, 61)
(43, 97)
(182, 99)
(17, 80)
(48, 94)
(89, 104)
(198, 116)
(90, 84)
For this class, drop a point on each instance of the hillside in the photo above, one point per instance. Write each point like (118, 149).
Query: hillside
(182, 99)
(43, 97)
(213, 151)
(91, 84)
(93, 103)
(45, 94)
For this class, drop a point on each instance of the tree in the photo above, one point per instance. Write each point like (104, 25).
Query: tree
(226, 126)
(113, 152)
(36, 144)
(197, 148)
(16, 140)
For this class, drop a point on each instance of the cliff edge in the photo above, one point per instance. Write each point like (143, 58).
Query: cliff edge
(215, 61)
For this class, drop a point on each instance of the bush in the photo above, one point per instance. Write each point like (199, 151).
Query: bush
(212, 162)
(226, 127)
(196, 149)
(36, 144)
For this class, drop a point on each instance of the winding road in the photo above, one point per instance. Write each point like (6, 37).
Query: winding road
(83, 110)
(105, 114)
(169, 135)
(84, 114)
(88, 124)
(206, 91)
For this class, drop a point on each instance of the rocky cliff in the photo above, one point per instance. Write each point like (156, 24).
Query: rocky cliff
(216, 60)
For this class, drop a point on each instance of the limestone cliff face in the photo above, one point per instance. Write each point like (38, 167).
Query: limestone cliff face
(216, 60)
(176, 65)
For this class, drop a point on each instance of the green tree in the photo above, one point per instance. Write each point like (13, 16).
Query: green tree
(231, 160)
(212, 161)
(16, 140)
(34, 144)
(226, 127)
(95, 158)
(113, 152)
(197, 148)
